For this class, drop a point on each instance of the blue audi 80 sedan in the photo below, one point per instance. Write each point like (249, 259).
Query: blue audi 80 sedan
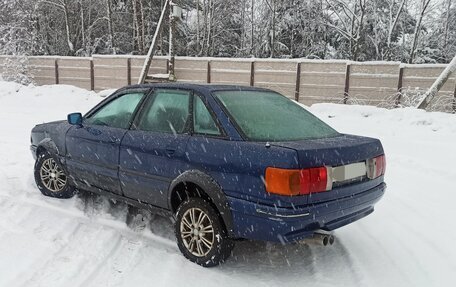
(227, 162)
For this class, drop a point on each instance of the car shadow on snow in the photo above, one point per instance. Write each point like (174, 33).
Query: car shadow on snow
(254, 258)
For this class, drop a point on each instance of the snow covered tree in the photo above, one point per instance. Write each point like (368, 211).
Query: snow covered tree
(18, 39)
(406, 30)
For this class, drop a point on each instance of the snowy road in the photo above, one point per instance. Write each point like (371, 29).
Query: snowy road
(408, 241)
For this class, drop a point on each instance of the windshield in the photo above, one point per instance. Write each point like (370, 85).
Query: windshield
(268, 116)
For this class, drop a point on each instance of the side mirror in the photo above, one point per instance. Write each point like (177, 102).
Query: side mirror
(75, 119)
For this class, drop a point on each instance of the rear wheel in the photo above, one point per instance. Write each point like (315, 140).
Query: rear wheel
(200, 233)
(51, 178)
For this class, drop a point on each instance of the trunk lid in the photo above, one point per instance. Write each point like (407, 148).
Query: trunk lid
(346, 154)
(334, 151)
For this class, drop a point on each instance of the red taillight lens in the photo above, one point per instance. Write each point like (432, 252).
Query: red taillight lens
(297, 182)
(313, 180)
(376, 167)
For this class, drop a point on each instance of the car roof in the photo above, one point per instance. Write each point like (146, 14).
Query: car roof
(197, 87)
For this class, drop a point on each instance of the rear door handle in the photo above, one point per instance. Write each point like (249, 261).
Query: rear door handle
(170, 151)
(114, 139)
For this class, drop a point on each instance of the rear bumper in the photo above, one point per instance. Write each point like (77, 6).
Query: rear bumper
(261, 222)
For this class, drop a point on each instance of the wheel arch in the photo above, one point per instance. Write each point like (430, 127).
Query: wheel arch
(196, 182)
(47, 145)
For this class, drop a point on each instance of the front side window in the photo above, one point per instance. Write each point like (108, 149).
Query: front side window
(117, 113)
(203, 123)
(268, 116)
(168, 112)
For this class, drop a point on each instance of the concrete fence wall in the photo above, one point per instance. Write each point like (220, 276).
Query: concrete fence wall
(308, 81)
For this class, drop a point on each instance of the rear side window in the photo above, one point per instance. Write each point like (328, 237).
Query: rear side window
(168, 112)
(202, 119)
(118, 113)
(268, 116)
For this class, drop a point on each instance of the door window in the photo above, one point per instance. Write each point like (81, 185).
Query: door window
(203, 123)
(117, 113)
(168, 112)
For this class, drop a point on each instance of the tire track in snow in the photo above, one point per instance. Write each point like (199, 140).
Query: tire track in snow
(313, 266)
(381, 254)
(420, 165)
(327, 262)
(120, 261)
(82, 254)
(94, 221)
(27, 281)
(74, 212)
(95, 270)
(13, 217)
(427, 239)
(341, 252)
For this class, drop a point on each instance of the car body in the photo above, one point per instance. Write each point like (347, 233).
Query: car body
(161, 166)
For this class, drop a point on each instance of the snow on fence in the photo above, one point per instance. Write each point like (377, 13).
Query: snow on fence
(385, 84)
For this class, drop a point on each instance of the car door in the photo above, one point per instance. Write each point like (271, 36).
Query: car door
(208, 149)
(152, 153)
(93, 148)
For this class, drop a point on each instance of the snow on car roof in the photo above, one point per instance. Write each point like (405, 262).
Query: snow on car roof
(198, 87)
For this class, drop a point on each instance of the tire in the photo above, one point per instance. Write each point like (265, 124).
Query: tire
(51, 178)
(209, 248)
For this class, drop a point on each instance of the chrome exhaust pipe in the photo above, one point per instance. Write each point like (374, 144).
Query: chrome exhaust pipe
(320, 239)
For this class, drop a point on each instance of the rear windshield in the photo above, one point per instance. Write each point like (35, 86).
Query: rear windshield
(268, 116)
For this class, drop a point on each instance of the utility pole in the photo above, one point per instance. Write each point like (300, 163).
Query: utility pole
(174, 15)
(438, 84)
(150, 54)
(252, 35)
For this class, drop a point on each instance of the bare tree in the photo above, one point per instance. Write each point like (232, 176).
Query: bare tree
(446, 29)
(197, 25)
(272, 4)
(424, 4)
(81, 7)
(62, 5)
(351, 17)
(252, 28)
(110, 26)
(138, 24)
(392, 22)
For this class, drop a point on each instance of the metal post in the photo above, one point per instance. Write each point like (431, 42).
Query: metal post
(56, 64)
(252, 73)
(129, 71)
(298, 81)
(347, 83)
(208, 72)
(92, 76)
(454, 100)
(399, 87)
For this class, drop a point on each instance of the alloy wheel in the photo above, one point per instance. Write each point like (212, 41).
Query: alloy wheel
(52, 176)
(197, 232)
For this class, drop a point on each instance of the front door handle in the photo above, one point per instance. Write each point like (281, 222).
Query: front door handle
(93, 131)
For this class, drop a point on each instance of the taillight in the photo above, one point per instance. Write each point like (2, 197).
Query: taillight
(298, 181)
(376, 167)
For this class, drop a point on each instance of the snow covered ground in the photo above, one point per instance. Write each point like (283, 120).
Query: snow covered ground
(410, 240)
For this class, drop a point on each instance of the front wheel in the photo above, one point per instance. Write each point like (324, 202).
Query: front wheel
(51, 178)
(200, 233)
